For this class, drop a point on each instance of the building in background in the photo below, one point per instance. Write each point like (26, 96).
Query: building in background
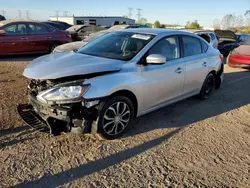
(93, 20)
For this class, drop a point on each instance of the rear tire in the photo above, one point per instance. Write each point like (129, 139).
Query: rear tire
(208, 87)
(114, 117)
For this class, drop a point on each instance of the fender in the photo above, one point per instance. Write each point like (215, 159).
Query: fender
(106, 85)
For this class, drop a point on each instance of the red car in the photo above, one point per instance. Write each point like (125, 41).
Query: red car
(27, 37)
(240, 57)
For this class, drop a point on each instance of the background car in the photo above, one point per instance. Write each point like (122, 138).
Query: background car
(107, 83)
(209, 36)
(56, 25)
(240, 57)
(227, 41)
(26, 37)
(242, 38)
(74, 46)
(79, 32)
(65, 25)
(2, 18)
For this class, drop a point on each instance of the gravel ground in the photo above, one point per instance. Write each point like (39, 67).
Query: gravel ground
(189, 144)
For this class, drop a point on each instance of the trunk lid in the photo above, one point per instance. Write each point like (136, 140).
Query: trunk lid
(225, 34)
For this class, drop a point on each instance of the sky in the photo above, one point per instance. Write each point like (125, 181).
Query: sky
(166, 11)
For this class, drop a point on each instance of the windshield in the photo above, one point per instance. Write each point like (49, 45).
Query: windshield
(74, 28)
(117, 45)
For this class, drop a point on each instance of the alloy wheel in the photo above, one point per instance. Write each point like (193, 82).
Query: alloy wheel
(116, 118)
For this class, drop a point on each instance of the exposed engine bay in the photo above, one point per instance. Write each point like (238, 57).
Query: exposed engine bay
(73, 116)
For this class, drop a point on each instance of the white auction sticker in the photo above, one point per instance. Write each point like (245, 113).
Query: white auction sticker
(143, 37)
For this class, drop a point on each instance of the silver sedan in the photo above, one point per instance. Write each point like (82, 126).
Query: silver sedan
(120, 76)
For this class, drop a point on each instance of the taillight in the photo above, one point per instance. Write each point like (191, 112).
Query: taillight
(221, 57)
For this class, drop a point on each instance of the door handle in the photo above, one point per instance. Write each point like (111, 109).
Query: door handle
(179, 70)
(24, 38)
(48, 37)
(204, 64)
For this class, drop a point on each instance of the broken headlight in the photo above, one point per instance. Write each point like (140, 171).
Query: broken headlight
(63, 94)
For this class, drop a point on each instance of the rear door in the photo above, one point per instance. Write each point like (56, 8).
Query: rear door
(15, 40)
(196, 63)
(40, 37)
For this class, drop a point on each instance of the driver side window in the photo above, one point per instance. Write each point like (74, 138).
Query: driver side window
(167, 47)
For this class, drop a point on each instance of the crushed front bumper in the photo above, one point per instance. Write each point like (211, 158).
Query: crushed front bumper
(42, 117)
(32, 119)
(74, 117)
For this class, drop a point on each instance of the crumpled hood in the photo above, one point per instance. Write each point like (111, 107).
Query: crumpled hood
(66, 64)
(72, 46)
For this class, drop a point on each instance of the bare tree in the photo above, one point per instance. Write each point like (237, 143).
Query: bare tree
(216, 24)
(228, 21)
(247, 15)
(239, 22)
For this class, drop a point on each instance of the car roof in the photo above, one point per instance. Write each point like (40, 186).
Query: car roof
(4, 22)
(153, 31)
(197, 31)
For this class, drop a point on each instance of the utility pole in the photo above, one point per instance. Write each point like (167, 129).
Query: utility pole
(65, 13)
(3, 12)
(27, 14)
(57, 14)
(139, 13)
(20, 14)
(130, 9)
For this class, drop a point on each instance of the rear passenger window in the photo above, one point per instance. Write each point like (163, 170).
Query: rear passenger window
(191, 45)
(204, 46)
(37, 29)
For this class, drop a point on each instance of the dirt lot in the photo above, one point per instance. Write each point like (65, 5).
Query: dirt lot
(189, 144)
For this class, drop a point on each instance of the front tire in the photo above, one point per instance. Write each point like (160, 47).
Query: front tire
(53, 46)
(208, 87)
(114, 117)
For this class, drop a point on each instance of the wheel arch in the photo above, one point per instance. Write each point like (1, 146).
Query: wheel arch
(130, 95)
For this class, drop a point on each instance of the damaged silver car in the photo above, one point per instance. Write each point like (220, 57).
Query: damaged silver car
(122, 75)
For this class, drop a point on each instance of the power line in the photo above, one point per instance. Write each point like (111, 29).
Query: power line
(139, 13)
(3, 12)
(130, 9)
(65, 13)
(57, 14)
(27, 14)
(20, 14)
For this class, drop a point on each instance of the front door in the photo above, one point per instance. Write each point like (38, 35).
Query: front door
(15, 39)
(164, 82)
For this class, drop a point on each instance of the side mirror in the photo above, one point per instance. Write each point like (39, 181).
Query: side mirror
(2, 32)
(156, 59)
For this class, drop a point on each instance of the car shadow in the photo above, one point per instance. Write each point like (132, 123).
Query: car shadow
(67, 176)
(12, 130)
(179, 115)
(229, 97)
(19, 58)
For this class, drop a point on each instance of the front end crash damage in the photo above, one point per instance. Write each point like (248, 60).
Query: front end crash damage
(55, 117)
